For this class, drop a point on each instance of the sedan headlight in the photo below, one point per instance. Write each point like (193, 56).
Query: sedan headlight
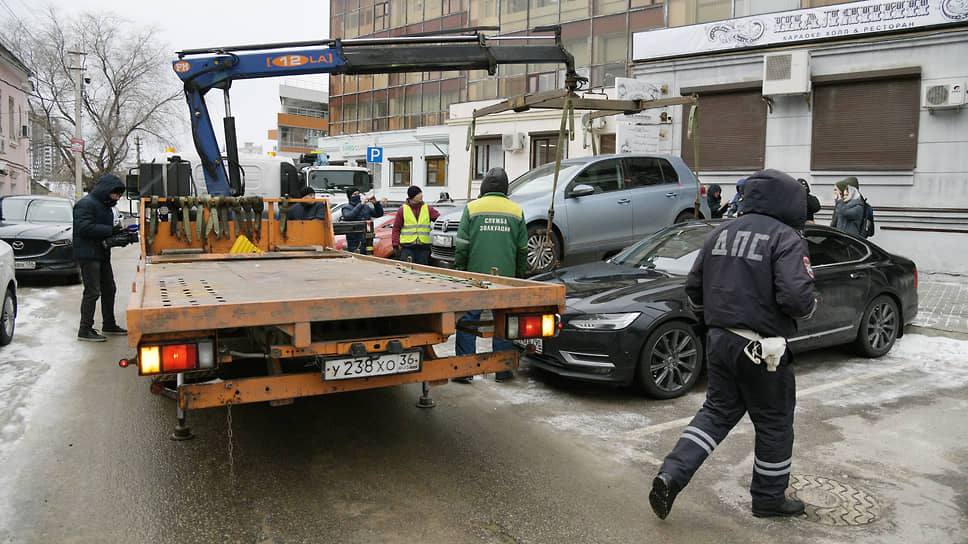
(62, 243)
(603, 322)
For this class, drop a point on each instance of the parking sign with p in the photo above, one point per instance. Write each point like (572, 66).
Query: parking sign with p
(374, 154)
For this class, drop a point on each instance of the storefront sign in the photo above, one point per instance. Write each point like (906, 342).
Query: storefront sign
(802, 25)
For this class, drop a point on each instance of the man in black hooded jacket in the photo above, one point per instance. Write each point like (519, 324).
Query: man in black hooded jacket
(751, 280)
(93, 224)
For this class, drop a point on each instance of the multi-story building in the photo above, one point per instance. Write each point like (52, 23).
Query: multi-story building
(872, 108)
(14, 110)
(303, 119)
(598, 33)
(45, 159)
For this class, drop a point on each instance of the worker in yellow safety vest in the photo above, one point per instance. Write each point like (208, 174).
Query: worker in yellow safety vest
(411, 228)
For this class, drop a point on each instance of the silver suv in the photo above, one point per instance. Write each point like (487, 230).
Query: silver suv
(602, 204)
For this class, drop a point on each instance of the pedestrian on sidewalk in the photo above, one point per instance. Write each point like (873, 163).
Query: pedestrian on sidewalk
(750, 282)
(849, 206)
(93, 224)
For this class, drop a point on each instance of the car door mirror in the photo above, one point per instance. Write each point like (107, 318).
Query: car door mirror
(581, 190)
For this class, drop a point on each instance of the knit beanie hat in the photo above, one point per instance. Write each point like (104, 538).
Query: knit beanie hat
(851, 181)
(305, 191)
(350, 191)
(413, 191)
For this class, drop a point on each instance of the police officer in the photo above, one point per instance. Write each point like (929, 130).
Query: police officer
(751, 280)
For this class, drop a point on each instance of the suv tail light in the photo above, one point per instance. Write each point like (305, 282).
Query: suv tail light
(532, 326)
(180, 357)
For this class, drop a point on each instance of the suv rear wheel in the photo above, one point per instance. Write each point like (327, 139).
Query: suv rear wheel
(542, 257)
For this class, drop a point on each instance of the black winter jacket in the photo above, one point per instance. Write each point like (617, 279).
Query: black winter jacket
(754, 271)
(94, 220)
(307, 211)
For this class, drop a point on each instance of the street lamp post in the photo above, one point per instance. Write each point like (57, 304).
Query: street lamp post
(78, 81)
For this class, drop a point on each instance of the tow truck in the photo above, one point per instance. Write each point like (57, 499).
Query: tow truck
(234, 304)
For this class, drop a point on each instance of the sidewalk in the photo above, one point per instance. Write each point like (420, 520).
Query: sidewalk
(942, 302)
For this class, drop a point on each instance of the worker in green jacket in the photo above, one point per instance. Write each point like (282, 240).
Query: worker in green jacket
(492, 234)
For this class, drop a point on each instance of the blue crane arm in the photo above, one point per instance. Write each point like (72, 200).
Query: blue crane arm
(205, 73)
(220, 66)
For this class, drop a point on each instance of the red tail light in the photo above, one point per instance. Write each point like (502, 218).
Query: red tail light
(702, 189)
(915, 276)
(532, 326)
(178, 357)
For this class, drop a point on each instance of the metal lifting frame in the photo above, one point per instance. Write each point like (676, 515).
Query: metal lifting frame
(220, 66)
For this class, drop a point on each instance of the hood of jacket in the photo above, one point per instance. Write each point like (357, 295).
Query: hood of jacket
(107, 184)
(495, 181)
(711, 197)
(776, 194)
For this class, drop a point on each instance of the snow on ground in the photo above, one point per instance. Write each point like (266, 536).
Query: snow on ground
(917, 364)
(44, 341)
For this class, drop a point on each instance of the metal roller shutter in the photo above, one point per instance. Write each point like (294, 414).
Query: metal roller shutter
(866, 125)
(732, 131)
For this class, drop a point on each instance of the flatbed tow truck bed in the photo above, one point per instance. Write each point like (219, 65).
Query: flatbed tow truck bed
(294, 318)
(294, 289)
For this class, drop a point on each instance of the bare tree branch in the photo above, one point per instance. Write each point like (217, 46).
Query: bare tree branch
(131, 85)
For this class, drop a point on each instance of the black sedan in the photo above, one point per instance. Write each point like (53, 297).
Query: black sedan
(38, 228)
(627, 320)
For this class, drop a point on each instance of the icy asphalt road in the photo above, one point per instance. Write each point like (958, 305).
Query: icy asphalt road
(86, 456)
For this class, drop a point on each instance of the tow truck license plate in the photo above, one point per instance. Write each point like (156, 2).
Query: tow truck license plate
(25, 265)
(345, 368)
(441, 240)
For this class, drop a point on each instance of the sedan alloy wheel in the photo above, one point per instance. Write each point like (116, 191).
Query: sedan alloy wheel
(878, 327)
(671, 361)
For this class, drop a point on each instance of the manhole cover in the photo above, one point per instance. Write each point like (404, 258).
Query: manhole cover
(831, 502)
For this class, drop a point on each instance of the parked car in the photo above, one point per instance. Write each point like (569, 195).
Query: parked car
(626, 319)
(602, 204)
(8, 292)
(382, 232)
(39, 229)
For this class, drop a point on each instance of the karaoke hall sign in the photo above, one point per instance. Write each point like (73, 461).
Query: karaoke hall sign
(797, 26)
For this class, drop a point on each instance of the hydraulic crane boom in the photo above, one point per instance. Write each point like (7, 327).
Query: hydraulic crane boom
(205, 69)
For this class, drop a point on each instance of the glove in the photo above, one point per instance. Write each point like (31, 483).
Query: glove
(117, 229)
(396, 252)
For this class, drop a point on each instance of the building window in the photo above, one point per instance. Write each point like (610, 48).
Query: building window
(436, 172)
(487, 154)
(400, 172)
(544, 149)
(607, 144)
(690, 12)
(732, 131)
(381, 16)
(867, 124)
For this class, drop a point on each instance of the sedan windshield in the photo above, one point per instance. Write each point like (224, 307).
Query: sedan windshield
(672, 250)
(541, 179)
(37, 211)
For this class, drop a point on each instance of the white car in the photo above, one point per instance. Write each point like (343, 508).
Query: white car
(8, 292)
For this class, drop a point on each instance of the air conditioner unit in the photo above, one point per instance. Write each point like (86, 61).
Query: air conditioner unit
(944, 95)
(512, 142)
(786, 73)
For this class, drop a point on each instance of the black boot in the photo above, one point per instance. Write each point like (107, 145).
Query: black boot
(790, 507)
(663, 494)
(114, 329)
(90, 335)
